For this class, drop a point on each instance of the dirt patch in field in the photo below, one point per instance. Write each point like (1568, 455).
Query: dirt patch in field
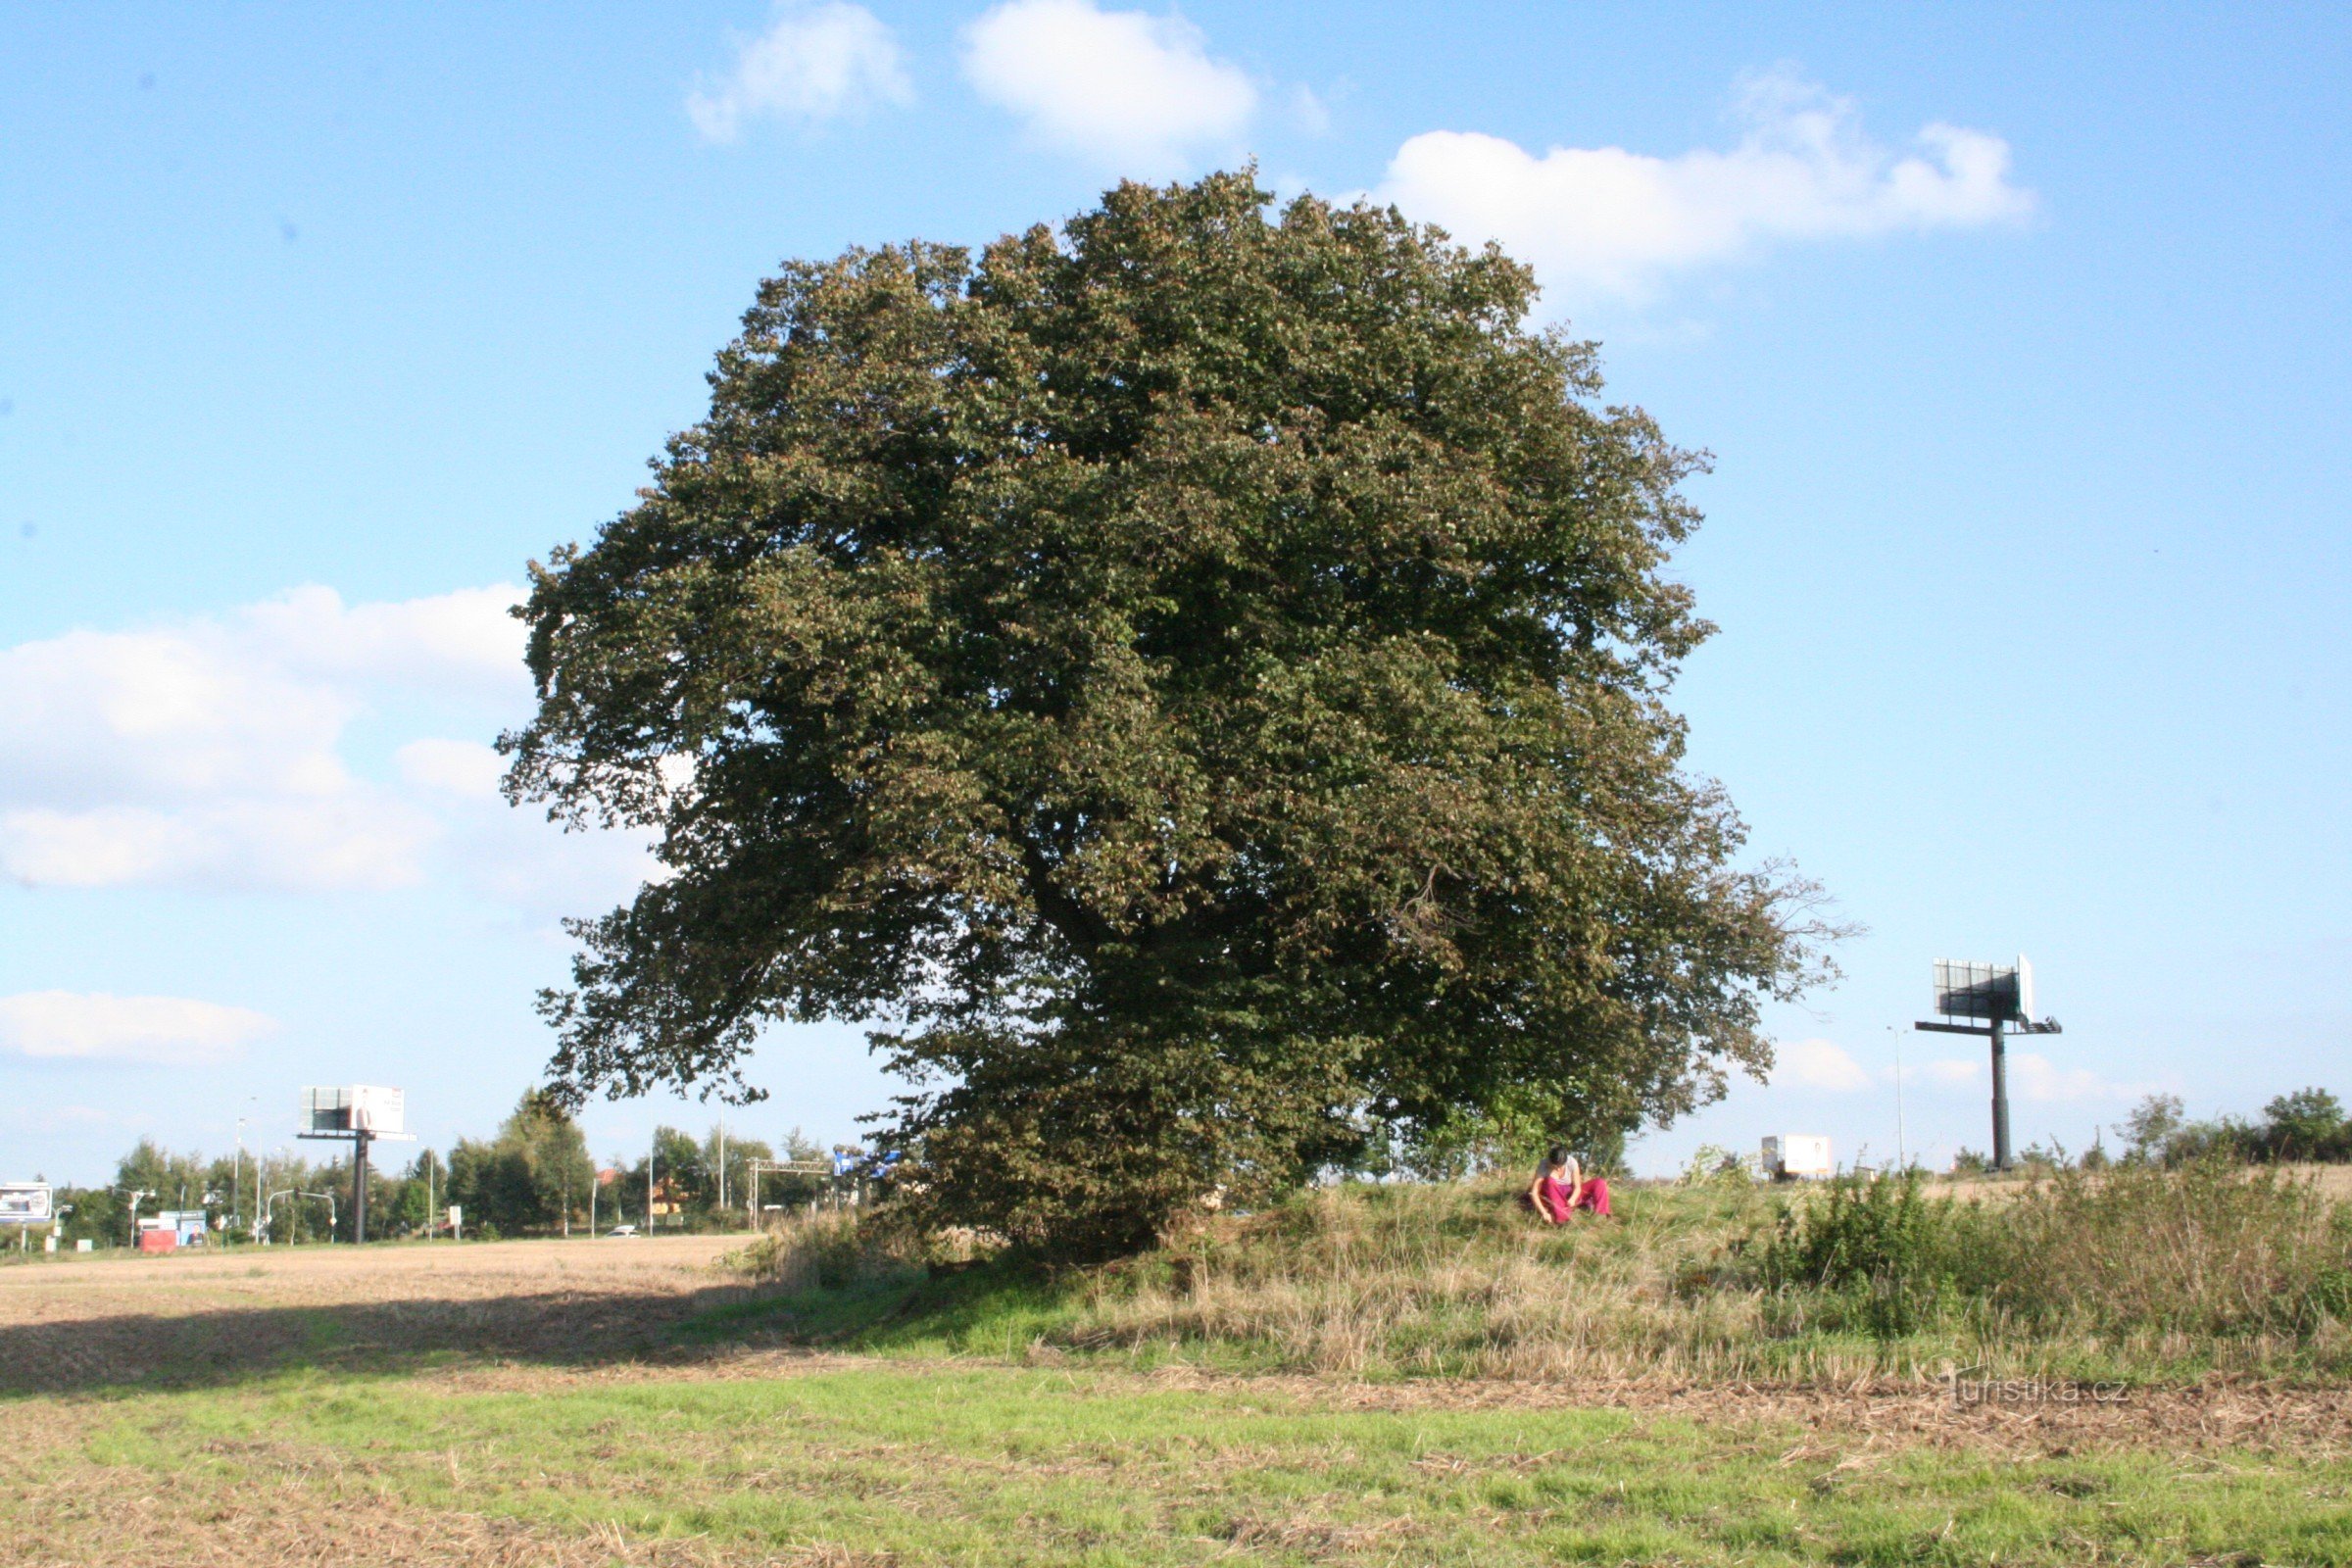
(89, 1325)
(2046, 1419)
(2334, 1182)
(140, 1525)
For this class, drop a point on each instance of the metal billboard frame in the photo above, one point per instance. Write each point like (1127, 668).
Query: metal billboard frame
(1996, 999)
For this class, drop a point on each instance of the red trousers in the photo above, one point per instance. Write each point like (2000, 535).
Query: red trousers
(1596, 1195)
(1553, 1196)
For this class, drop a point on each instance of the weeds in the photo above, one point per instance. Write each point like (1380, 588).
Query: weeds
(2141, 1273)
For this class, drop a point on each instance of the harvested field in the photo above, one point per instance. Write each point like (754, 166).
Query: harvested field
(537, 1402)
(91, 1324)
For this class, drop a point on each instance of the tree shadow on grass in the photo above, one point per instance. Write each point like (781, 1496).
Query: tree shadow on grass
(988, 1309)
(220, 1346)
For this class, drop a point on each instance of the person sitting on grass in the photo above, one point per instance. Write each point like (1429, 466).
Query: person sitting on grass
(1562, 1188)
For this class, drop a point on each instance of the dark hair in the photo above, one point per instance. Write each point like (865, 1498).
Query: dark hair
(1559, 1156)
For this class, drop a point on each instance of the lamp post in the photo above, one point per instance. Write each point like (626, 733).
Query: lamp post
(236, 1178)
(135, 1194)
(1902, 1160)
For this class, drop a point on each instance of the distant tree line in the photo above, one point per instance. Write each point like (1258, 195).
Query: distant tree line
(2307, 1126)
(534, 1176)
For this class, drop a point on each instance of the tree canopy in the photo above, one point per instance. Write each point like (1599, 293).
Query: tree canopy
(1196, 679)
(533, 1175)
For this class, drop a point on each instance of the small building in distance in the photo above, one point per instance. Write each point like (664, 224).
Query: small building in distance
(1790, 1155)
(170, 1229)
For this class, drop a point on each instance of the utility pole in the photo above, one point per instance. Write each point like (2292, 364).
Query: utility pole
(723, 1163)
(652, 1151)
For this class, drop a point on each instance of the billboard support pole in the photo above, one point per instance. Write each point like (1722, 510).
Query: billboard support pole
(2000, 1099)
(359, 1185)
(1995, 1001)
(359, 1114)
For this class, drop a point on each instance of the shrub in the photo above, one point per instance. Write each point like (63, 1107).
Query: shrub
(2203, 1247)
(825, 1250)
(1897, 1255)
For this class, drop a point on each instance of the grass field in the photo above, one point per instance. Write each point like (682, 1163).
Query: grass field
(597, 1402)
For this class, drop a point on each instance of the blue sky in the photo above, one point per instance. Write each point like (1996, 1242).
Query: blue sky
(2019, 337)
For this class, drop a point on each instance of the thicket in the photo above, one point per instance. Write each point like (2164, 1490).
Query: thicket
(2206, 1249)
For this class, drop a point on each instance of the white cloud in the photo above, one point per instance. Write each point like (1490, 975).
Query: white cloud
(1309, 112)
(1819, 1065)
(2033, 1077)
(209, 752)
(1607, 222)
(467, 769)
(161, 1031)
(467, 639)
(818, 62)
(1124, 89)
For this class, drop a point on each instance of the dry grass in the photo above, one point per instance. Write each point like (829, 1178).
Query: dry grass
(499, 1454)
(1443, 1281)
(1433, 1282)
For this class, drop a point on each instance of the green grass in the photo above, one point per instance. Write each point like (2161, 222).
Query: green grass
(1272, 1388)
(942, 1462)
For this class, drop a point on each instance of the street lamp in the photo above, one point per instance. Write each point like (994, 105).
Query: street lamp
(1902, 1160)
(135, 1194)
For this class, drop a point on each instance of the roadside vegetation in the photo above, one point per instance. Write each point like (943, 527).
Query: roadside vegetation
(2143, 1271)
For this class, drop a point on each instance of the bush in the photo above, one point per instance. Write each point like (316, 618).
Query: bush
(826, 1251)
(2203, 1247)
(2207, 1248)
(1900, 1256)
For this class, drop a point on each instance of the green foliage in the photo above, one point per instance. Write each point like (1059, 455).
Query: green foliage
(534, 1175)
(2306, 1125)
(2151, 1126)
(2205, 1249)
(1714, 1164)
(1206, 672)
(1881, 1241)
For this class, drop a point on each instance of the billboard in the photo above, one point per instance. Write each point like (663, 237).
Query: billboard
(1988, 993)
(24, 1204)
(355, 1108)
